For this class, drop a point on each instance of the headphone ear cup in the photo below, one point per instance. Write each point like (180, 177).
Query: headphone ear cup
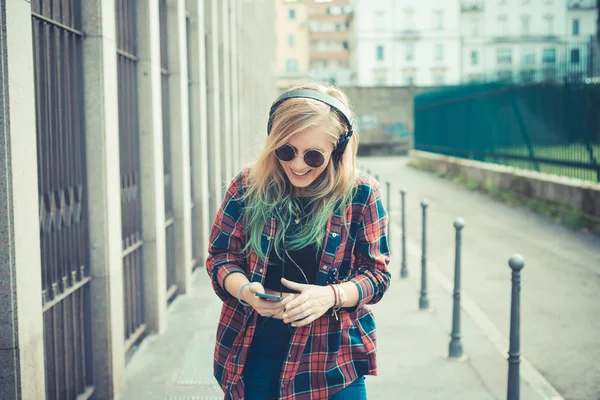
(340, 147)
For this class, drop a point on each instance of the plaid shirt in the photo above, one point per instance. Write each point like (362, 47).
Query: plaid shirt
(326, 355)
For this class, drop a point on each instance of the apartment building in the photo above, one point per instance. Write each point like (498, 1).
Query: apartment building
(429, 43)
(312, 42)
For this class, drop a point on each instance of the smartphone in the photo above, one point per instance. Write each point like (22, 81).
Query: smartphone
(270, 297)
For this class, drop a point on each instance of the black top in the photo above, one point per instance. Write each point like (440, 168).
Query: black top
(307, 259)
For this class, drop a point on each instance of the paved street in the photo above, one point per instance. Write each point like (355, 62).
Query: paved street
(560, 334)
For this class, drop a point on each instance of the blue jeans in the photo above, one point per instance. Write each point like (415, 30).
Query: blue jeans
(265, 359)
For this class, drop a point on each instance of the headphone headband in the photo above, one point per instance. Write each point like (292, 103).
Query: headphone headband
(315, 95)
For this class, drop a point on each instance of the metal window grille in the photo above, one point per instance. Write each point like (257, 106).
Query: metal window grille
(131, 205)
(57, 50)
(170, 221)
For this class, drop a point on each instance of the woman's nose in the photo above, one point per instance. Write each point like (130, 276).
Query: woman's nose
(298, 163)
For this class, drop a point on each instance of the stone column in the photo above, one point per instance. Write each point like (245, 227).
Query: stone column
(104, 195)
(198, 125)
(180, 142)
(213, 104)
(21, 323)
(225, 90)
(235, 93)
(152, 189)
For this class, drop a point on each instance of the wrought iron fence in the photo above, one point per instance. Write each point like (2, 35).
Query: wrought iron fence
(168, 176)
(569, 61)
(57, 50)
(131, 206)
(549, 127)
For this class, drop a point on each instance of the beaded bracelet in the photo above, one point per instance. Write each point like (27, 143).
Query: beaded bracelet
(242, 302)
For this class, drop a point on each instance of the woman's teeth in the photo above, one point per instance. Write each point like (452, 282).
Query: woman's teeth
(302, 174)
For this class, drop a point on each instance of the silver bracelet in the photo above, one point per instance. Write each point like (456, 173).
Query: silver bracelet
(242, 302)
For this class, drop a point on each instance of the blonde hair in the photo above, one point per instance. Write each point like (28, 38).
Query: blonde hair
(269, 191)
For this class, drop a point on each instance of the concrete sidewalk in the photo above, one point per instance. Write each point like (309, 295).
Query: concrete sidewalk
(412, 353)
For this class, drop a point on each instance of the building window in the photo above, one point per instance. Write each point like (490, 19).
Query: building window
(345, 45)
(379, 53)
(291, 40)
(410, 81)
(574, 56)
(503, 25)
(338, 27)
(291, 66)
(525, 25)
(438, 20)
(527, 75)
(474, 57)
(503, 55)
(575, 27)
(549, 56)
(528, 57)
(439, 52)
(410, 51)
(505, 75)
(549, 22)
(438, 78)
(292, 13)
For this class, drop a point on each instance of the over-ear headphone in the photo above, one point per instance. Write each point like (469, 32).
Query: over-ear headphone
(336, 104)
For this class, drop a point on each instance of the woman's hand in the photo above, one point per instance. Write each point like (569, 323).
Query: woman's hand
(312, 302)
(266, 308)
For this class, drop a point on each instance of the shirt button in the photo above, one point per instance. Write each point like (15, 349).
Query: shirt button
(324, 266)
(261, 271)
(269, 238)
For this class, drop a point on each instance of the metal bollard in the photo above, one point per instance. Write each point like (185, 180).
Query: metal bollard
(423, 300)
(403, 270)
(455, 349)
(516, 263)
(389, 210)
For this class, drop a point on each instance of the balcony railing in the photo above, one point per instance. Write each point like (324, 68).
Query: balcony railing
(581, 4)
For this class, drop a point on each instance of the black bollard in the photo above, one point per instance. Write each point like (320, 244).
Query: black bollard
(387, 195)
(403, 270)
(455, 349)
(389, 210)
(516, 263)
(423, 300)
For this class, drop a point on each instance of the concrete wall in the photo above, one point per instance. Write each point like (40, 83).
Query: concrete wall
(221, 85)
(384, 117)
(580, 195)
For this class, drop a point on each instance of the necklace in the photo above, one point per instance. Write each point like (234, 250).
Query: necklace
(303, 210)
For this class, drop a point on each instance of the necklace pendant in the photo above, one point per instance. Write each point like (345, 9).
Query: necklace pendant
(297, 221)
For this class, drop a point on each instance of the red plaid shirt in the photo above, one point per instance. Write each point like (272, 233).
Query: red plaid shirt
(326, 355)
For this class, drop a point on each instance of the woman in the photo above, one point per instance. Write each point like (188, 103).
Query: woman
(303, 228)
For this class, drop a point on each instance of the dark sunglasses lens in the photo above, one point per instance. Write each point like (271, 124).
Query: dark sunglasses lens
(313, 158)
(285, 153)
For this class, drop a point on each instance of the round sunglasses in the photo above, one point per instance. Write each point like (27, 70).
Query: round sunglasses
(312, 158)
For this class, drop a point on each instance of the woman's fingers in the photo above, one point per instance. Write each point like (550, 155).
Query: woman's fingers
(305, 321)
(256, 287)
(268, 308)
